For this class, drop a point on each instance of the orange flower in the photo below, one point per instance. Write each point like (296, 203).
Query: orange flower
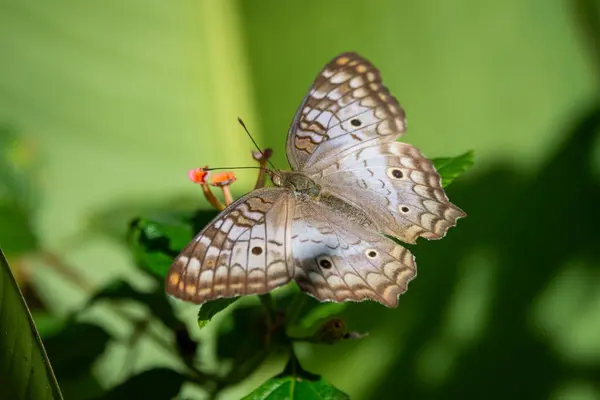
(223, 179)
(198, 175)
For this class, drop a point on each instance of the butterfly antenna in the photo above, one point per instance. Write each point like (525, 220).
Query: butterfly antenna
(254, 141)
(220, 168)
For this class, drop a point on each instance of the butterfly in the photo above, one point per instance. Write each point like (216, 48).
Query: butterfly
(327, 222)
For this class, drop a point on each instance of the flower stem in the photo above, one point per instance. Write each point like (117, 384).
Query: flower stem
(227, 195)
(211, 198)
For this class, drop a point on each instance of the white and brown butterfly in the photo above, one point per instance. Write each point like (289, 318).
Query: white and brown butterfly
(324, 223)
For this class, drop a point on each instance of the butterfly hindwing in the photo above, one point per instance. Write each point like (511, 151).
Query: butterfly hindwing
(338, 260)
(346, 106)
(244, 250)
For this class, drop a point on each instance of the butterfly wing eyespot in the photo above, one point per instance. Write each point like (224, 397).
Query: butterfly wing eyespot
(324, 262)
(371, 253)
(244, 250)
(257, 250)
(395, 173)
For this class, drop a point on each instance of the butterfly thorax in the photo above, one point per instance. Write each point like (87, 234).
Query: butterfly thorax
(297, 182)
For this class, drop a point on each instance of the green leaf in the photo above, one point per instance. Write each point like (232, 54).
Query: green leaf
(25, 372)
(16, 232)
(157, 303)
(292, 388)
(46, 323)
(451, 168)
(155, 242)
(242, 338)
(113, 220)
(73, 365)
(296, 384)
(156, 383)
(328, 331)
(306, 315)
(321, 312)
(71, 361)
(16, 195)
(209, 310)
(242, 333)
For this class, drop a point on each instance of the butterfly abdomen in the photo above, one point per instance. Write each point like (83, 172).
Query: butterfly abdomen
(344, 210)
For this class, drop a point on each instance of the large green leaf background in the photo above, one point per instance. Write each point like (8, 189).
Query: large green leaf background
(25, 372)
(121, 98)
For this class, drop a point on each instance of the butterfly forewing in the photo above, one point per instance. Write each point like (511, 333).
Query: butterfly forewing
(245, 250)
(346, 106)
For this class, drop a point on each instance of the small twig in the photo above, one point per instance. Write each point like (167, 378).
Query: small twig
(263, 158)
(294, 309)
(71, 274)
(261, 180)
(293, 359)
(140, 327)
(267, 301)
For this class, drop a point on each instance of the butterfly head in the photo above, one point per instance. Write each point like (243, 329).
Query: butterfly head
(276, 177)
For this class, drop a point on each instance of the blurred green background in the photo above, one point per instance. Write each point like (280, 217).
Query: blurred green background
(110, 103)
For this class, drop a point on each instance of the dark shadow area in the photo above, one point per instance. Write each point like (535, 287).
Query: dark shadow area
(532, 226)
